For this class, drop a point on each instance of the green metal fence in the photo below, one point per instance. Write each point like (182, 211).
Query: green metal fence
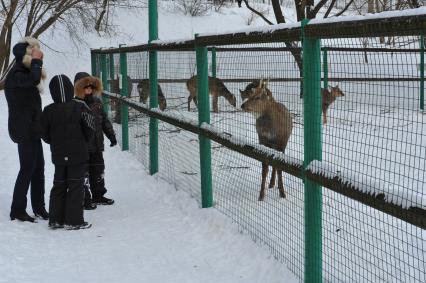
(367, 222)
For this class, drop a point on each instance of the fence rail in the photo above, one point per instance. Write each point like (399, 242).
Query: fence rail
(370, 216)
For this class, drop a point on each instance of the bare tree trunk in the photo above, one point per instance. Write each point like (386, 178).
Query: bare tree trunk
(370, 7)
(101, 16)
(6, 35)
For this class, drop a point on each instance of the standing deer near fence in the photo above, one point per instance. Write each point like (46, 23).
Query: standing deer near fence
(143, 90)
(248, 91)
(328, 97)
(216, 88)
(274, 125)
(115, 105)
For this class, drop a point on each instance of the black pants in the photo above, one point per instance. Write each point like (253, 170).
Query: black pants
(31, 172)
(67, 195)
(96, 175)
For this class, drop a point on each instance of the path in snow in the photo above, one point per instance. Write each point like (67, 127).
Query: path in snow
(152, 234)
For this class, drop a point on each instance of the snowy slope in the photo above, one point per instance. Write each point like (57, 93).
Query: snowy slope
(152, 234)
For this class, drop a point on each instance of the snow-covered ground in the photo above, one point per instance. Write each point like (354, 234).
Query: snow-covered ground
(153, 233)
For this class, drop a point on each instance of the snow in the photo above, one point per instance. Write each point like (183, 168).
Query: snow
(153, 233)
(370, 185)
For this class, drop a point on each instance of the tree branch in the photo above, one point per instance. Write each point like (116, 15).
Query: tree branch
(279, 17)
(318, 7)
(257, 12)
(344, 9)
(333, 2)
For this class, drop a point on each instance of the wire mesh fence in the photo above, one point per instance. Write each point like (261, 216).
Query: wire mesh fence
(372, 144)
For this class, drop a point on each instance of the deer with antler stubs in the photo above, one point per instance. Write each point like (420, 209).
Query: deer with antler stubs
(274, 125)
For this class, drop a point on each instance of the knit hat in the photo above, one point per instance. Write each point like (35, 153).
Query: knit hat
(19, 50)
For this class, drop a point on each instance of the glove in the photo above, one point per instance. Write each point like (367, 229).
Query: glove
(113, 141)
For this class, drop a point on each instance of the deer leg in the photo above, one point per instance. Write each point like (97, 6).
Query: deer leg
(196, 101)
(281, 184)
(215, 108)
(265, 169)
(189, 102)
(273, 176)
(324, 117)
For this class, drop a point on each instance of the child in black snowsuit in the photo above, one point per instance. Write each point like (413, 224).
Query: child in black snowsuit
(89, 90)
(68, 126)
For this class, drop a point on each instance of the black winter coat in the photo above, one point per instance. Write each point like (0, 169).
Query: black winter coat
(102, 124)
(68, 126)
(24, 101)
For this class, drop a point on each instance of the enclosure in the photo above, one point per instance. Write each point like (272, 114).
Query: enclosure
(366, 223)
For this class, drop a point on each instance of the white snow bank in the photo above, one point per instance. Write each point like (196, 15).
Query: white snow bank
(152, 233)
(367, 184)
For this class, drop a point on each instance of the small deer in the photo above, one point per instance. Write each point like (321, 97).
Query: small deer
(216, 88)
(115, 105)
(328, 97)
(248, 91)
(143, 90)
(274, 125)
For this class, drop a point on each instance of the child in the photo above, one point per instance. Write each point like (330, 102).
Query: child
(68, 126)
(88, 89)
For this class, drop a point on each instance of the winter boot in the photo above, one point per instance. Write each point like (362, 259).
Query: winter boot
(103, 200)
(41, 213)
(22, 217)
(84, 225)
(55, 225)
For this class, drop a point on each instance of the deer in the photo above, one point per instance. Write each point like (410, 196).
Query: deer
(328, 97)
(248, 91)
(216, 88)
(115, 105)
(143, 90)
(274, 125)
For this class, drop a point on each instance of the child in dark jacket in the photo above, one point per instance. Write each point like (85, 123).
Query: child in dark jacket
(89, 89)
(68, 126)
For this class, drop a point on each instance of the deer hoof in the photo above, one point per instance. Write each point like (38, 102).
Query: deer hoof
(261, 198)
(282, 195)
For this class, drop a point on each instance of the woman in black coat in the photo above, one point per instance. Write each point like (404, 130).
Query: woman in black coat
(24, 103)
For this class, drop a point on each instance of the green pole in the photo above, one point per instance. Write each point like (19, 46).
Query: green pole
(422, 73)
(325, 67)
(124, 107)
(204, 117)
(214, 62)
(312, 151)
(104, 80)
(93, 61)
(153, 88)
(111, 70)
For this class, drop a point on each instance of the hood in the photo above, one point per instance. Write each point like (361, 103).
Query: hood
(82, 80)
(61, 89)
(23, 50)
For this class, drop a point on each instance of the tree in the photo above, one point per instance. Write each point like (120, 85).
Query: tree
(305, 9)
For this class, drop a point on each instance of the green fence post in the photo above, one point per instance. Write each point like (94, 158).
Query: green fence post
(422, 73)
(124, 107)
(204, 117)
(93, 61)
(214, 62)
(153, 88)
(111, 71)
(103, 77)
(325, 67)
(312, 151)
